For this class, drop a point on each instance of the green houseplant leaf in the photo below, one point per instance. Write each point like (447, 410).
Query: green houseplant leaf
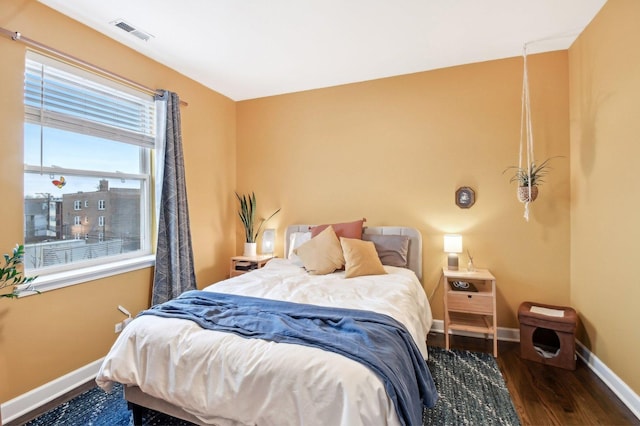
(535, 173)
(11, 276)
(247, 214)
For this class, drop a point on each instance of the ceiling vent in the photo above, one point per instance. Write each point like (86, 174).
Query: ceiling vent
(124, 26)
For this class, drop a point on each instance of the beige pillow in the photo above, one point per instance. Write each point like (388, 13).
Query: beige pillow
(322, 254)
(361, 258)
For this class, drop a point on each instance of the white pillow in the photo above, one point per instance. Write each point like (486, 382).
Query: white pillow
(296, 239)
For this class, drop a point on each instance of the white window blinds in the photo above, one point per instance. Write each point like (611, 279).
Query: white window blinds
(86, 104)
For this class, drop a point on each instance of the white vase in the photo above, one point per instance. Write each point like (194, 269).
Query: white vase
(249, 249)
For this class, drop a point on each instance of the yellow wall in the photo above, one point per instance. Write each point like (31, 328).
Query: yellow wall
(391, 150)
(395, 151)
(46, 336)
(605, 200)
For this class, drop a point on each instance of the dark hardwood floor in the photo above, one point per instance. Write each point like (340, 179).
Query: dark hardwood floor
(545, 395)
(542, 395)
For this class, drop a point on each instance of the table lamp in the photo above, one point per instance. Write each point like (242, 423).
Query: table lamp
(453, 246)
(268, 241)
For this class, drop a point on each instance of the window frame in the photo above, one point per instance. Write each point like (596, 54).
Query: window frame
(73, 273)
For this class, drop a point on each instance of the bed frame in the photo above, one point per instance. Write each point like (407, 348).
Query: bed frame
(137, 400)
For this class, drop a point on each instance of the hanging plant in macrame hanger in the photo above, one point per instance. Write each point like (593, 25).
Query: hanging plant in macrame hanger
(529, 175)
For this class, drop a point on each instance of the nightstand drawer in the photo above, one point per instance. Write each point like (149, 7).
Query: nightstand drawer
(476, 303)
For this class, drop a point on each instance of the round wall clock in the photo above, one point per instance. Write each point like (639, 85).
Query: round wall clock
(465, 197)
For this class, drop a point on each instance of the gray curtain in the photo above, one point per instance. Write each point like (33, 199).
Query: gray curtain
(174, 273)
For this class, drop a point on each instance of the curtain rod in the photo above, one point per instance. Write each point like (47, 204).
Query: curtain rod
(16, 36)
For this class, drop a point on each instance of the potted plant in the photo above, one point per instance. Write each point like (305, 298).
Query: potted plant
(247, 215)
(528, 179)
(10, 276)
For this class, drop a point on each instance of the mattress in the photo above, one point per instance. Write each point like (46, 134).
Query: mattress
(224, 379)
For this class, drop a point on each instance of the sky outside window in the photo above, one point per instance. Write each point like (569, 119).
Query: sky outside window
(76, 151)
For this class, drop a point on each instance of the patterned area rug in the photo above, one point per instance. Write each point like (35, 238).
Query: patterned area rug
(471, 390)
(98, 408)
(470, 386)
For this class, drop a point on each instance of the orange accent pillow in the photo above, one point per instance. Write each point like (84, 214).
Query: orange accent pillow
(322, 254)
(346, 229)
(361, 258)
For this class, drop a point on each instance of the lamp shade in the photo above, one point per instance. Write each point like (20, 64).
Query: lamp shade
(453, 243)
(268, 241)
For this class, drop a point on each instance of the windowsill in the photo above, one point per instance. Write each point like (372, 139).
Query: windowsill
(79, 276)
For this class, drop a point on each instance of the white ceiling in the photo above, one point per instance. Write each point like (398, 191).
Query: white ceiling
(248, 49)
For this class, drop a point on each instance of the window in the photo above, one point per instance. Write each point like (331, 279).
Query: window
(87, 140)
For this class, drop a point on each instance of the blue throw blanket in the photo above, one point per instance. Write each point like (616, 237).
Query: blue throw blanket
(375, 340)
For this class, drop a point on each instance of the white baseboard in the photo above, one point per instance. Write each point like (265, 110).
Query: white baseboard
(617, 386)
(613, 382)
(39, 396)
(506, 334)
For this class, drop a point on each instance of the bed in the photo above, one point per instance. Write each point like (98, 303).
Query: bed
(174, 366)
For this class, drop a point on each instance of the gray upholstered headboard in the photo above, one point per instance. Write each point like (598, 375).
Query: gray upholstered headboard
(415, 241)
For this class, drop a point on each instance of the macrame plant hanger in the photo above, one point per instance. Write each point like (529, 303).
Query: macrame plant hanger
(526, 134)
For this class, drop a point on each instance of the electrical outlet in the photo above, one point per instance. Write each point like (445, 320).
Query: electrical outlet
(118, 327)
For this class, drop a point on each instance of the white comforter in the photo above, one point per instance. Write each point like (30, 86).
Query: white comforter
(225, 379)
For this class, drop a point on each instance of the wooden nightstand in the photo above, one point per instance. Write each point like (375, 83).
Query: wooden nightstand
(243, 264)
(469, 310)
